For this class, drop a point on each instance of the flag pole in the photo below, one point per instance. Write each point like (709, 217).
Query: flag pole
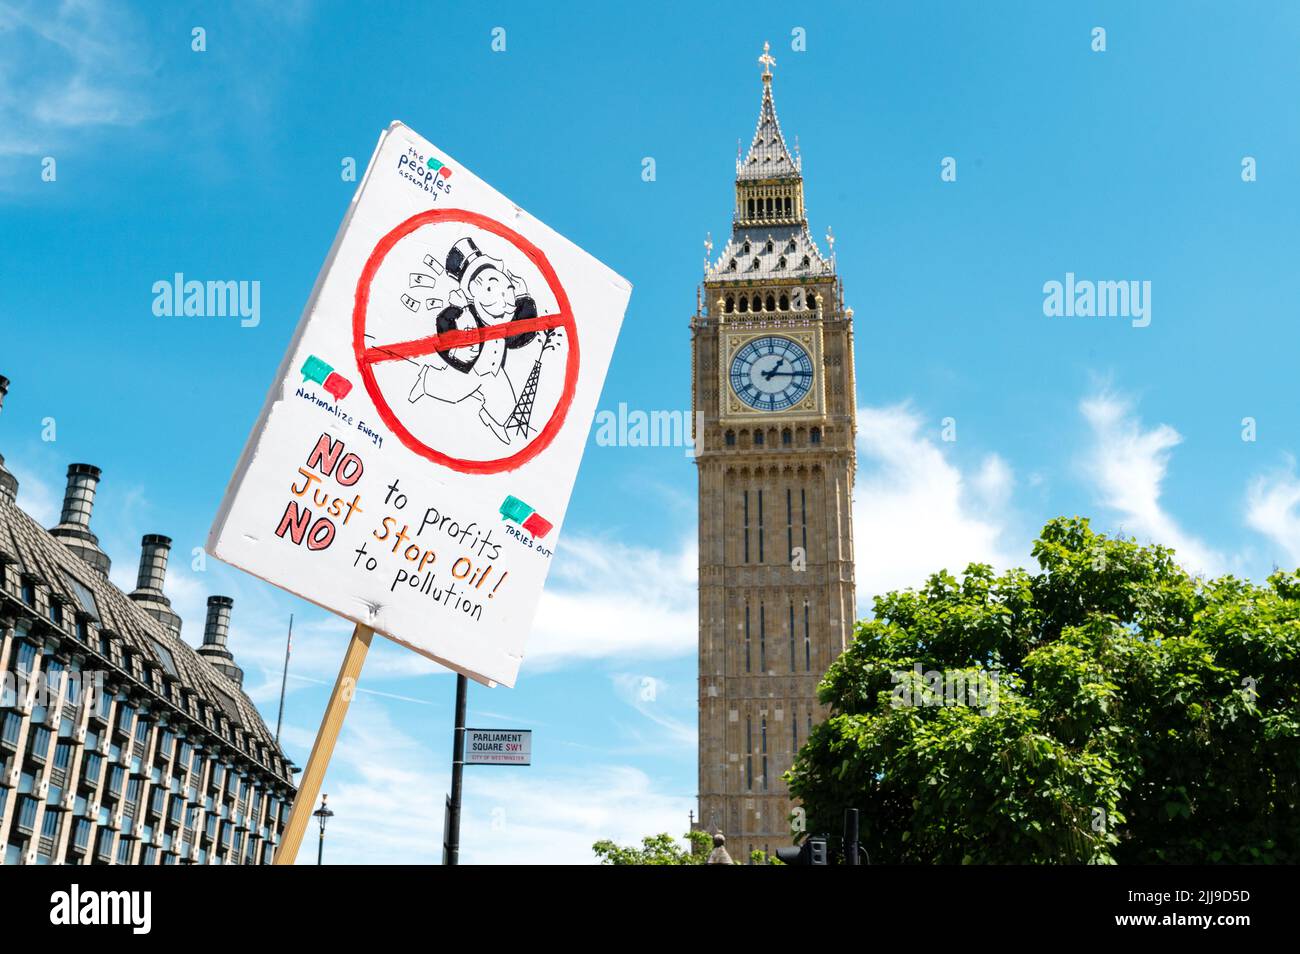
(284, 680)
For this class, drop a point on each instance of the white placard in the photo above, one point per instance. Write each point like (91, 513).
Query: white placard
(413, 462)
(498, 746)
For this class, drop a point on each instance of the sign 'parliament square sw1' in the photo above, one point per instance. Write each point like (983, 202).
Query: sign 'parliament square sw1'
(414, 459)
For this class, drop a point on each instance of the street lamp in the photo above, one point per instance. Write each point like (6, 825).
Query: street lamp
(322, 814)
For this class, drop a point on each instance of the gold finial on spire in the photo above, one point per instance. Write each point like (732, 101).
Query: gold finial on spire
(768, 60)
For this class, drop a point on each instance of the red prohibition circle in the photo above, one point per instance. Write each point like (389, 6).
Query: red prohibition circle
(367, 357)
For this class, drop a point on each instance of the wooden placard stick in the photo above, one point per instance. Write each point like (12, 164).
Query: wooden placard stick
(330, 725)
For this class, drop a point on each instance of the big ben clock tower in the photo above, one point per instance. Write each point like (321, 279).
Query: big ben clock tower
(773, 392)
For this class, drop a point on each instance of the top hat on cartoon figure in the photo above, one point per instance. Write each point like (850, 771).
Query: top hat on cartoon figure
(489, 293)
(467, 263)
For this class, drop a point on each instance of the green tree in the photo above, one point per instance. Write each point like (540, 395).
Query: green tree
(1139, 715)
(661, 849)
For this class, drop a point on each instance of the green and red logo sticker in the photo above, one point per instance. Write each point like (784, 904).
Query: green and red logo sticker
(438, 167)
(516, 511)
(323, 373)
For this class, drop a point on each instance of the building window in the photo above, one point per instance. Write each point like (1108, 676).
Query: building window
(758, 438)
(749, 754)
(760, 522)
(763, 776)
(803, 517)
(26, 813)
(807, 640)
(789, 520)
(794, 731)
(731, 303)
(787, 437)
(746, 524)
(85, 597)
(815, 435)
(56, 613)
(747, 643)
(730, 438)
(792, 636)
(762, 638)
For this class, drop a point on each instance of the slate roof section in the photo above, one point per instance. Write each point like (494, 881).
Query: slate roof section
(36, 553)
(769, 157)
(794, 254)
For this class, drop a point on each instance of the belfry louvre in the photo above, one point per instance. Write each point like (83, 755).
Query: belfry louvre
(119, 742)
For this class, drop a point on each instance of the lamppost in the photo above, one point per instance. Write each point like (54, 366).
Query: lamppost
(322, 814)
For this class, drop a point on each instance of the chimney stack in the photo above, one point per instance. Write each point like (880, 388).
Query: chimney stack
(8, 482)
(148, 592)
(74, 525)
(215, 632)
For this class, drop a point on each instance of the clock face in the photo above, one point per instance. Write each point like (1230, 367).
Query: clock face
(771, 373)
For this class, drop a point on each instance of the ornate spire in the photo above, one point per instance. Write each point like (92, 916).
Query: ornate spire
(768, 158)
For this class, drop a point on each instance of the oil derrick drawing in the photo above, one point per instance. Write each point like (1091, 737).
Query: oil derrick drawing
(519, 424)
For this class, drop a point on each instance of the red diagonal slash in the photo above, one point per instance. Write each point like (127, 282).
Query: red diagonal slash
(368, 357)
(459, 339)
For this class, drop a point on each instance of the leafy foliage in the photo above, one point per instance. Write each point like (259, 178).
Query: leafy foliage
(661, 849)
(1141, 715)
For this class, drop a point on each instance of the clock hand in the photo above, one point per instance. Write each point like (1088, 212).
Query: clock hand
(767, 375)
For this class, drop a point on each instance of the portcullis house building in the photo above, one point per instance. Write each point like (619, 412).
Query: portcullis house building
(119, 742)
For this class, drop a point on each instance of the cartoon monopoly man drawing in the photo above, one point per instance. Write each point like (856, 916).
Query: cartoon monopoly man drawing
(486, 293)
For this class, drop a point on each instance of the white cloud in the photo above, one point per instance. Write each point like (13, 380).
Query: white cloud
(40, 499)
(63, 67)
(915, 511)
(389, 803)
(1128, 465)
(612, 600)
(1273, 508)
(653, 698)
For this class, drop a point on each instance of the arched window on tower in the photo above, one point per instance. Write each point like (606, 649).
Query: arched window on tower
(789, 207)
(757, 303)
(771, 302)
(750, 206)
(768, 246)
(744, 303)
(787, 438)
(758, 438)
(785, 299)
(815, 435)
(730, 438)
(731, 303)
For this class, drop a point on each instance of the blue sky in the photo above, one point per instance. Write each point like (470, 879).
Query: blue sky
(225, 165)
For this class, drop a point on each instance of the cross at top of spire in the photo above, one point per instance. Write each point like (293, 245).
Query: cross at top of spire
(768, 155)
